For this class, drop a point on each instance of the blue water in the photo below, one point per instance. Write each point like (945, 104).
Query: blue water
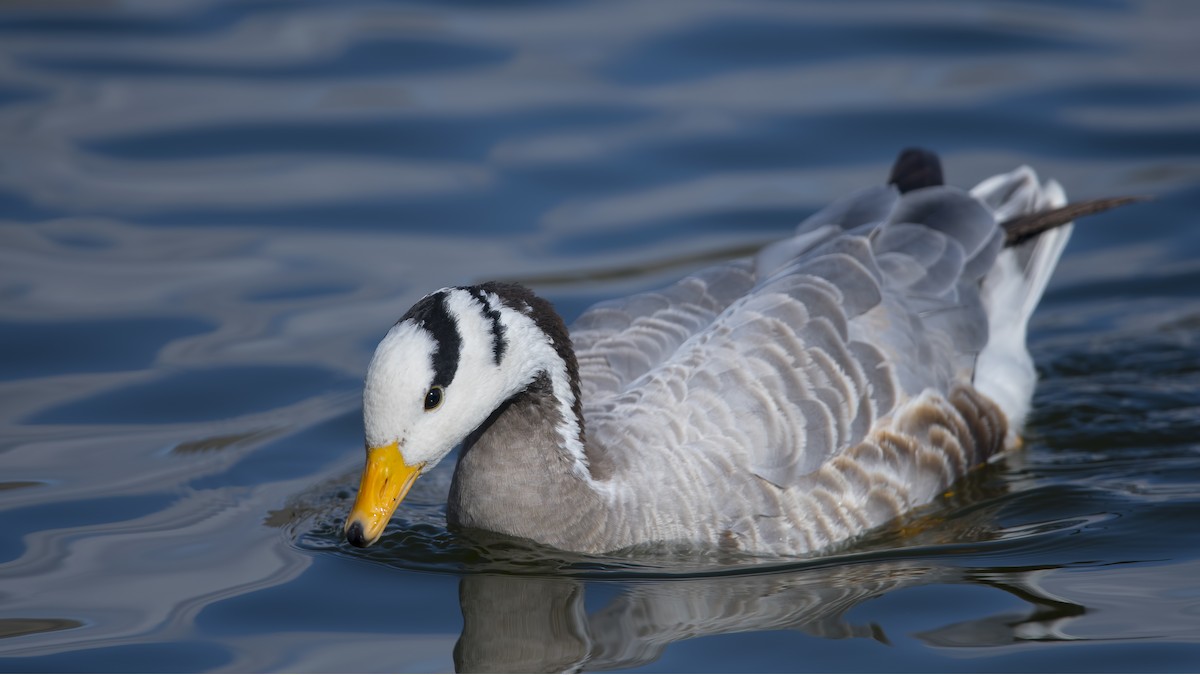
(210, 211)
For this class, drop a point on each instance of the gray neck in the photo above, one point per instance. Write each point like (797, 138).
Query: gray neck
(514, 477)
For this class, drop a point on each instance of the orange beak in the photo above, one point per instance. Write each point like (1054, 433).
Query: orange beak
(386, 479)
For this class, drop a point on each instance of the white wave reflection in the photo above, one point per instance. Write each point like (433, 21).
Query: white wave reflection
(149, 575)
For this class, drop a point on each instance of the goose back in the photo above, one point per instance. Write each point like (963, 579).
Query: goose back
(818, 389)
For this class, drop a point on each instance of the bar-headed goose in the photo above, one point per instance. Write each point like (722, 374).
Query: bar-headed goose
(778, 404)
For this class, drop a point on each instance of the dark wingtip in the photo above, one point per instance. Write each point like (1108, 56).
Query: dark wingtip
(916, 168)
(1023, 228)
(354, 535)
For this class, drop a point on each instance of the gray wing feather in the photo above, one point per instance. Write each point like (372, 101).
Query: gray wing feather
(870, 205)
(618, 341)
(759, 380)
(951, 211)
(866, 317)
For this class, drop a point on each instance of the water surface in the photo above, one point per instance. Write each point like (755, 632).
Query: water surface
(210, 211)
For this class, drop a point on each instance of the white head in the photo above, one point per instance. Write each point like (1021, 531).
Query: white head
(437, 375)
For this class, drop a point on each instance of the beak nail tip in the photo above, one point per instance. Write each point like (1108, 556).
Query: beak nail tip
(354, 535)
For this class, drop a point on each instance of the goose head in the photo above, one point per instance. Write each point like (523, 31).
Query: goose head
(453, 359)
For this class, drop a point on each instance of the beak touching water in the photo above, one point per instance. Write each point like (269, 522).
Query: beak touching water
(385, 481)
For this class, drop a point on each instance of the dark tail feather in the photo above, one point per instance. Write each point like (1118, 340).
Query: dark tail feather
(1023, 228)
(916, 168)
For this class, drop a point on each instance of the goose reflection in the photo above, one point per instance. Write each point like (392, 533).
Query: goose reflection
(1044, 621)
(539, 624)
(514, 623)
(520, 615)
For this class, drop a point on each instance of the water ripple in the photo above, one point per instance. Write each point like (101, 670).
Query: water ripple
(727, 44)
(211, 210)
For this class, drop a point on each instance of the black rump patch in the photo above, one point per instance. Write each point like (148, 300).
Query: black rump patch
(916, 168)
(431, 314)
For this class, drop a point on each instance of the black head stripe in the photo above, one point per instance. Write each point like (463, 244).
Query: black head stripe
(521, 299)
(431, 314)
(499, 342)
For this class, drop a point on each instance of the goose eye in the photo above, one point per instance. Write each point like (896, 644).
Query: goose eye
(433, 397)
